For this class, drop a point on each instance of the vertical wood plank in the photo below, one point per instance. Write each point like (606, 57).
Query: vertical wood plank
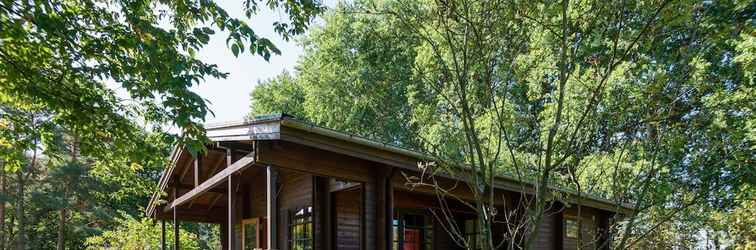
(196, 171)
(231, 211)
(229, 157)
(368, 216)
(380, 211)
(176, 240)
(320, 211)
(389, 209)
(271, 206)
(163, 246)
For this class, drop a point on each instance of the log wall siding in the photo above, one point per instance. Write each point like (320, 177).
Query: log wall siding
(589, 218)
(257, 196)
(546, 233)
(298, 164)
(441, 238)
(295, 191)
(347, 219)
(419, 203)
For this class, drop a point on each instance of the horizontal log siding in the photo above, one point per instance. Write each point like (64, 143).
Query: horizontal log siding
(589, 225)
(347, 216)
(295, 191)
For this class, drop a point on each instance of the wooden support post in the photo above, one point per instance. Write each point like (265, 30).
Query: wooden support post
(272, 206)
(176, 243)
(163, 246)
(389, 209)
(379, 211)
(321, 202)
(196, 171)
(231, 211)
(197, 164)
(229, 157)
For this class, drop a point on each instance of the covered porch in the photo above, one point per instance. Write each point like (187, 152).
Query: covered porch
(318, 192)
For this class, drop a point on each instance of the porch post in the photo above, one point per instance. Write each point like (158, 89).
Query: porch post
(380, 201)
(272, 206)
(176, 243)
(389, 209)
(162, 235)
(321, 210)
(231, 212)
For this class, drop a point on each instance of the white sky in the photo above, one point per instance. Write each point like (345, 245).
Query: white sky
(229, 98)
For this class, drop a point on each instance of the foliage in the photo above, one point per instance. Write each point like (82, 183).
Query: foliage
(647, 102)
(353, 75)
(59, 55)
(133, 233)
(77, 154)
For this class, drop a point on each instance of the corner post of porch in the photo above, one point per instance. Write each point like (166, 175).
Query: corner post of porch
(322, 213)
(377, 214)
(176, 240)
(231, 188)
(163, 246)
(389, 208)
(271, 206)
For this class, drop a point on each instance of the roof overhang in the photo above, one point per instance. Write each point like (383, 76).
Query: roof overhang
(283, 127)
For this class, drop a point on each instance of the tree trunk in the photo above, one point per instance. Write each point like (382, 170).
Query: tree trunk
(62, 229)
(21, 234)
(2, 206)
(11, 233)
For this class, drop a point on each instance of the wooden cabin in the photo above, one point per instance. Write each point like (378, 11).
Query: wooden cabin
(279, 183)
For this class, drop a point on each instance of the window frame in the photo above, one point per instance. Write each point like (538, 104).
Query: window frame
(566, 227)
(474, 242)
(305, 220)
(260, 229)
(399, 225)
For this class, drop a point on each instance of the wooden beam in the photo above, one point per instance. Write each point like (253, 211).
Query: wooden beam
(241, 164)
(215, 200)
(215, 166)
(287, 155)
(183, 173)
(196, 214)
(219, 189)
(196, 167)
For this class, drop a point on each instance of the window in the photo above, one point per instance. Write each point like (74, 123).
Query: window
(412, 232)
(300, 229)
(571, 228)
(253, 233)
(471, 233)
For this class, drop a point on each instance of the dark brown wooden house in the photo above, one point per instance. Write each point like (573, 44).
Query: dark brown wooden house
(278, 183)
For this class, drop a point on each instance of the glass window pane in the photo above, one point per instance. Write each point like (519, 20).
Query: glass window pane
(570, 228)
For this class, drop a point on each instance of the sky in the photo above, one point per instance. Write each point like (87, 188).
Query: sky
(228, 98)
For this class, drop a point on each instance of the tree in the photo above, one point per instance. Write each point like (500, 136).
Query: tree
(640, 102)
(58, 55)
(57, 60)
(354, 74)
